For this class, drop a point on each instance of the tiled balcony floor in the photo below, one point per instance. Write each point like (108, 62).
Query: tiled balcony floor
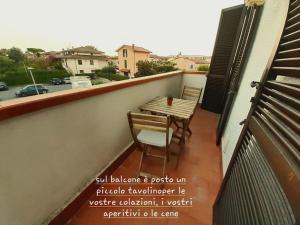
(199, 163)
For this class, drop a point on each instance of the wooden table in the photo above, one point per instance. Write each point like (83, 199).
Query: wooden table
(180, 108)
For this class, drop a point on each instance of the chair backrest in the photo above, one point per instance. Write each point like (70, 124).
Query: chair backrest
(191, 93)
(140, 121)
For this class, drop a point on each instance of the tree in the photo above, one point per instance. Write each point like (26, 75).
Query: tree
(145, 68)
(109, 69)
(38, 63)
(4, 51)
(35, 51)
(107, 72)
(16, 54)
(163, 66)
(53, 59)
(111, 64)
(5, 64)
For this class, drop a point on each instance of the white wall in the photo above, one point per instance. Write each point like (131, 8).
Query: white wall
(194, 80)
(49, 155)
(273, 16)
(73, 66)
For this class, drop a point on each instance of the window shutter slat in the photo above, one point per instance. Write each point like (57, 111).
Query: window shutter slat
(292, 36)
(287, 62)
(287, 109)
(291, 101)
(294, 4)
(267, 155)
(289, 45)
(286, 71)
(287, 120)
(289, 53)
(285, 88)
(294, 11)
(294, 19)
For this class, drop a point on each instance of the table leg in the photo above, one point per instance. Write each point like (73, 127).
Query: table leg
(185, 124)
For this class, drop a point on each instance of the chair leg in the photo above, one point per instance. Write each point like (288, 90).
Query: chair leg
(164, 169)
(189, 131)
(146, 150)
(165, 162)
(184, 130)
(141, 161)
(168, 155)
(165, 159)
(176, 124)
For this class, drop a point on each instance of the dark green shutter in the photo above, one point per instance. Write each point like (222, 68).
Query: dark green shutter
(233, 75)
(225, 41)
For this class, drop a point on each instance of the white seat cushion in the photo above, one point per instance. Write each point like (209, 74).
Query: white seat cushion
(154, 138)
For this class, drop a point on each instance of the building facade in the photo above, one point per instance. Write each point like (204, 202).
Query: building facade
(128, 56)
(81, 60)
(156, 58)
(190, 62)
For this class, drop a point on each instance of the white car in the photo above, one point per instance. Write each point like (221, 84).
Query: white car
(81, 82)
(67, 80)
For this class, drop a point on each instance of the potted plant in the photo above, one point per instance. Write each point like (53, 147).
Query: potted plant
(169, 100)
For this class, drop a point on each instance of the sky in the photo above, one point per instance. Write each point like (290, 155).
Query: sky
(166, 27)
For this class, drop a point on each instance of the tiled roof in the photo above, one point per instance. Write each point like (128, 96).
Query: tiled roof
(135, 48)
(100, 57)
(49, 53)
(197, 60)
(153, 56)
(85, 49)
(125, 70)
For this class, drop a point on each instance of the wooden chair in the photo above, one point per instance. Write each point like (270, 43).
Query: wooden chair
(188, 93)
(191, 93)
(151, 130)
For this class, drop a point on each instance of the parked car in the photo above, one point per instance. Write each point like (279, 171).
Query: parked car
(31, 90)
(3, 86)
(67, 80)
(56, 81)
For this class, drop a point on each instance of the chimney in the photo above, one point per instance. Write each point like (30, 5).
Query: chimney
(132, 46)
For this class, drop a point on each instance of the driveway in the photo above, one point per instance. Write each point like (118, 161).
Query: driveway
(10, 94)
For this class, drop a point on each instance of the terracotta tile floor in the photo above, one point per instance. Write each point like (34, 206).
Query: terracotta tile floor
(199, 163)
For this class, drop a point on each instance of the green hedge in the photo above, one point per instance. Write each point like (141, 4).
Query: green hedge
(116, 77)
(203, 68)
(92, 76)
(96, 82)
(20, 77)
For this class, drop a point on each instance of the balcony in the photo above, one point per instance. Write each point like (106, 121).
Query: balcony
(199, 163)
(54, 146)
(63, 141)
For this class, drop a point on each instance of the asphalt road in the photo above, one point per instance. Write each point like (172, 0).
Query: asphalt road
(10, 93)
